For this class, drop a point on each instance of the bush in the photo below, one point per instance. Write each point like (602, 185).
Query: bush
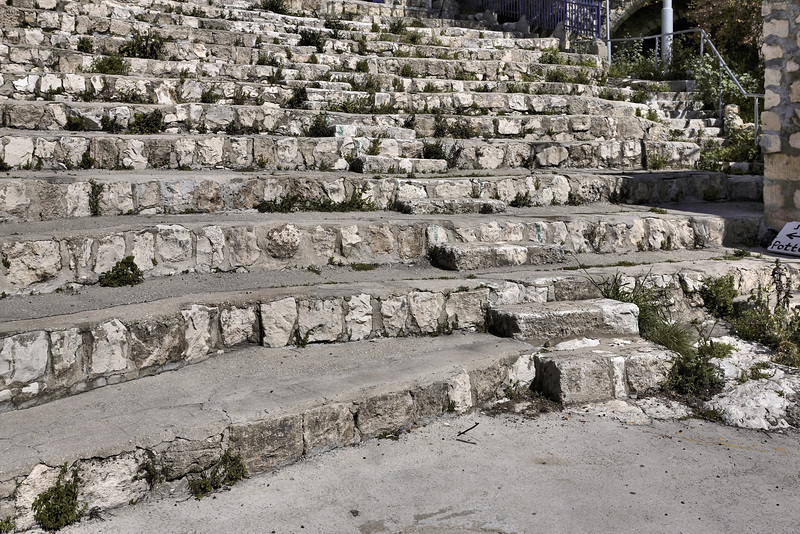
(433, 150)
(313, 38)
(298, 99)
(718, 294)
(124, 273)
(695, 376)
(143, 46)
(739, 147)
(406, 71)
(85, 45)
(57, 507)
(319, 127)
(147, 123)
(110, 65)
(275, 6)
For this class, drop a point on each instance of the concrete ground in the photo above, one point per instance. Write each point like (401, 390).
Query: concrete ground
(557, 473)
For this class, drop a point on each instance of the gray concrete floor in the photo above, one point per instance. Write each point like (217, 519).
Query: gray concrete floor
(557, 473)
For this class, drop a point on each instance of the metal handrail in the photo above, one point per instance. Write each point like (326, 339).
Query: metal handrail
(703, 38)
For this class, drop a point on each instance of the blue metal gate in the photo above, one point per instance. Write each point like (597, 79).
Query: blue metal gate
(582, 17)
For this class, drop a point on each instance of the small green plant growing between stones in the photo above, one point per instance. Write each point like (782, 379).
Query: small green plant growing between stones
(110, 65)
(521, 200)
(227, 472)
(143, 46)
(147, 123)
(6, 262)
(319, 127)
(85, 45)
(124, 273)
(374, 147)
(313, 38)
(58, 507)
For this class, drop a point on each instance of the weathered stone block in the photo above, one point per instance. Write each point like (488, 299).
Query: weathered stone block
(575, 379)
(154, 343)
(23, 357)
(278, 321)
(283, 242)
(183, 456)
(200, 332)
(426, 309)
(320, 320)
(430, 401)
(385, 413)
(358, 321)
(110, 348)
(328, 427)
(239, 325)
(394, 312)
(112, 482)
(268, 444)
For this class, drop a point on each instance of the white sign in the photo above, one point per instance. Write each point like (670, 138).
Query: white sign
(788, 240)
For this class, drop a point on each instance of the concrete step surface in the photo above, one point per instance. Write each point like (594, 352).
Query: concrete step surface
(272, 406)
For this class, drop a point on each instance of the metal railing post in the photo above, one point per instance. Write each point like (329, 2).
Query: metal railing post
(756, 120)
(656, 54)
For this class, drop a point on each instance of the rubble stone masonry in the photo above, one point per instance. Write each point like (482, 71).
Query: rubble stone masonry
(781, 118)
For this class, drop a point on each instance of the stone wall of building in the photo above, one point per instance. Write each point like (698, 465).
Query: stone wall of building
(781, 116)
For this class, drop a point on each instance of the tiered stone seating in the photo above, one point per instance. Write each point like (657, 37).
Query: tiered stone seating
(444, 182)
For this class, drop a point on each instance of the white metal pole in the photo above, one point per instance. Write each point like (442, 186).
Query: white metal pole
(666, 27)
(608, 29)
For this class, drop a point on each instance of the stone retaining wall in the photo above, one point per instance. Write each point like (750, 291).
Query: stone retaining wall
(781, 118)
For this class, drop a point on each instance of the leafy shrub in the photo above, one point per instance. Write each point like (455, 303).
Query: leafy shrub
(406, 71)
(75, 124)
(694, 375)
(85, 45)
(319, 127)
(124, 273)
(397, 26)
(275, 6)
(147, 123)
(298, 99)
(110, 65)
(208, 96)
(433, 150)
(739, 146)
(718, 294)
(313, 38)
(57, 507)
(292, 203)
(143, 46)
(362, 66)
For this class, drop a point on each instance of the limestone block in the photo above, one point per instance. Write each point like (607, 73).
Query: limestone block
(239, 325)
(183, 456)
(38, 481)
(210, 249)
(144, 250)
(507, 255)
(426, 308)
(77, 199)
(486, 383)
(620, 317)
(320, 320)
(23, 357)
(646, 370)
(110, 250)
(328, 427)
(283, 242)
(410, 242)
(278, 321)
(268, 444)
(381, 239)
(184, 151)
(67, 350)
(523, 371)
(394, 312)
(200, 332)
(18, 151)
(358, 321)
(133, 154)
(243, 248)
(385, 413)
(552, 156)
(31, 261)
(208, 196)
(173, 243)
(110, 349)
(210, 151)
(466, 309)
(156, 342)
(350, 240)
(112, 482)
(459, 392)
(430, 401)
(578, 379)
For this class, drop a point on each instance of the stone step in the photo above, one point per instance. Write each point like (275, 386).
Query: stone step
(587, 370)
(397, 165)
(48, 256)
(561, 320)
(449, 206)
(470, 256)
(55, 356)
(271, 406)
(50, 150)
(34, 196)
